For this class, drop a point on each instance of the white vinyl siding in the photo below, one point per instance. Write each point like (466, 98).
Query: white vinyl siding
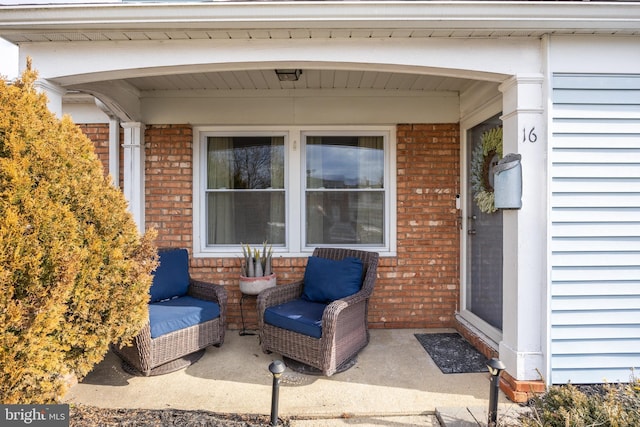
(595, 228)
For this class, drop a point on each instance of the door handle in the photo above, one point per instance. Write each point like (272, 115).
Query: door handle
(471, 232)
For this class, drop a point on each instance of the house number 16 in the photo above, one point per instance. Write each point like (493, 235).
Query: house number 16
(531, 136)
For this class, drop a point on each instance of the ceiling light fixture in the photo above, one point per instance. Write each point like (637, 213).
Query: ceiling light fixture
(288, 75)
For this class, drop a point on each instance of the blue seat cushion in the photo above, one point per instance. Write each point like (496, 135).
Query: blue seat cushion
(327, 280)
(302, 316)
(171, 278)
(179, 313)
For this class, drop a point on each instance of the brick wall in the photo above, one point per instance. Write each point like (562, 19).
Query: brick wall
(169, 176)
(420, 288)
(417, 289)
(99, 134)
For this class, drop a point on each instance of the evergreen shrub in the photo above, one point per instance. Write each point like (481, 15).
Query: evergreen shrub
(74, 270)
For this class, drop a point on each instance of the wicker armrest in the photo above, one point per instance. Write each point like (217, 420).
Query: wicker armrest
(278, 295)
(331, 316)
(356, 298)
(208, 291)
(212, 292)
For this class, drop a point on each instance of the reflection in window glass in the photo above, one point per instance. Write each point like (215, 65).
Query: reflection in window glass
(345, 162)
(245, 190)
(345, 190)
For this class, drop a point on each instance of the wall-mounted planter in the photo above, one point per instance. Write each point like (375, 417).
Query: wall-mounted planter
(255, 285)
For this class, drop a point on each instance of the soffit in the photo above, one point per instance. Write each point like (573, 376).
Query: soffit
(265, 34)
(314, 19)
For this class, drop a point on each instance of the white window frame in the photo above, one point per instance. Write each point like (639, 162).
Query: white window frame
(294, 187)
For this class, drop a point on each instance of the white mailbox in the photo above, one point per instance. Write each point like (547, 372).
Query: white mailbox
(507, 182)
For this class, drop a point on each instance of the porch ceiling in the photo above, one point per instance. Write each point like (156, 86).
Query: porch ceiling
(310, 79)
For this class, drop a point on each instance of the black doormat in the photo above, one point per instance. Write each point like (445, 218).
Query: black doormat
(452, 353)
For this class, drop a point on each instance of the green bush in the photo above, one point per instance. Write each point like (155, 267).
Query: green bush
(74, 270)
(615, 405)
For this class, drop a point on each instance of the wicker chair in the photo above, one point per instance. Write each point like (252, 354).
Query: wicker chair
(344, 330)
(163, 352)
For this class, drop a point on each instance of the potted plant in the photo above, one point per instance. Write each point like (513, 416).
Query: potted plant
(256, 274)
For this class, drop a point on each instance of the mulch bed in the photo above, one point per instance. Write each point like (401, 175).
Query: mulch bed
(90, 416)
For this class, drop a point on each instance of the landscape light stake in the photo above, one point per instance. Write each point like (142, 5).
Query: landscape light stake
(276, 368)
(495, 369)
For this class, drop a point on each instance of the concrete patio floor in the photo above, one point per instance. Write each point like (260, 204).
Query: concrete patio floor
(395, 382)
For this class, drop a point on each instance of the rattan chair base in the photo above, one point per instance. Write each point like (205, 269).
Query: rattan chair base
(174, 365)
(303, 368)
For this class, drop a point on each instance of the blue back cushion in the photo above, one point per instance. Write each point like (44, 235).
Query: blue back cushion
(171, 278)
(302, 316)
(180, 313)
(326, 280)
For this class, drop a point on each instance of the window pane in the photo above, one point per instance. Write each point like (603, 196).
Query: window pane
(345, 217)
(250, 162)
(245, 217)
(245, 190)
(345, 161)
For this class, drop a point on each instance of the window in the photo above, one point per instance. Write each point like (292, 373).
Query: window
(296, 188)
(245, 196)
(344, 195)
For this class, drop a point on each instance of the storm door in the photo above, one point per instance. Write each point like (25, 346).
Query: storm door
(483, 298)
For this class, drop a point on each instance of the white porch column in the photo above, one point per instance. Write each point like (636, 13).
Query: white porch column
(54, 94)
(524, 241)
(114, 142)
(134, 170)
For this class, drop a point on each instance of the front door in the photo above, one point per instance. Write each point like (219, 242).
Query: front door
(483, 298)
